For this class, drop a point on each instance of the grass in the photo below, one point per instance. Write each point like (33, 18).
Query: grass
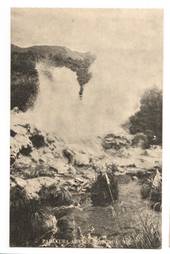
(147, 236)
(130, 223)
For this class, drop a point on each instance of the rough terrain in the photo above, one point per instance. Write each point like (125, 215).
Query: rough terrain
(51, 188)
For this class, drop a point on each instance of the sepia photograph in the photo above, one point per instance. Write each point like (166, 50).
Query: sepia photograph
(86, 128)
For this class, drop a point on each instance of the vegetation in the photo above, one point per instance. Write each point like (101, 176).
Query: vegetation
(148, 119)
(24, 76)
(24, 80)
(146, 236)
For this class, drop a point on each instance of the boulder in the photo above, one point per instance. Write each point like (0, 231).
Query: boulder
(31, 218)
(37, 138)
(104, 190)
(140, 173)
(43, 223)
(67, 229)
(28, 227)
(140, 140)
(69, 155)
(152, 189)
(20, 144)
(40, 170)
(62, 211)
(146, 189)
(54, 196)
(20, 129)
(23, 167)
(111, 141)
(62, 167)
(76, 158)
(29, 189)
(81, 160)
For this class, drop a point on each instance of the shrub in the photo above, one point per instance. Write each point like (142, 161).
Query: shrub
(102, 193)
(148, 119)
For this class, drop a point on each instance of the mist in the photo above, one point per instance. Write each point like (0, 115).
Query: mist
(106, 104)
(128, 49)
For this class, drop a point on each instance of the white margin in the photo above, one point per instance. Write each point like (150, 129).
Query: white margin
(5, 115)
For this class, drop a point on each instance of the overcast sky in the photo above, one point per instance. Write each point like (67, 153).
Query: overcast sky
(88, 29)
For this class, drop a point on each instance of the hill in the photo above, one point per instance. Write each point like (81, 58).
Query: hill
(24, 76)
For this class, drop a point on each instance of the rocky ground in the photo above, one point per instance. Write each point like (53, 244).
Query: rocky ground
(52, 183)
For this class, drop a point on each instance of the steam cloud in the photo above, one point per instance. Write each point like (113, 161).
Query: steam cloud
(106, 104)
(128, 49)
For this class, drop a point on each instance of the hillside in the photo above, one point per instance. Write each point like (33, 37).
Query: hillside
(24, 76)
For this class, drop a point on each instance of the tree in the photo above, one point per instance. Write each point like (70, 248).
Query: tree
(148, 119)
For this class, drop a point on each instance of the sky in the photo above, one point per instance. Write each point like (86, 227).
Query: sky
(128, 48)
(88, 29)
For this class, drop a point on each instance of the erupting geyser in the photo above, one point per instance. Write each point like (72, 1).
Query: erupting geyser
(24, 77)
(46, 80)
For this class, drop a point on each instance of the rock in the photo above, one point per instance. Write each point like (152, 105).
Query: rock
(15, 110)
(26, 150)
(63, 168)
(140, 140)
(69, 154)
(71, 170)
(89, 174)
(62, 211)
(67, 228)
(81, 160)
(35, 155)
(23, 167)
(23, 142)
(20, 129)
(76, 158)
(37, 139)
(22, 206)
(12, 133)
(156, 191)
(123, 178)
(29, 225)
(40, 170)
(140, 173)
(20, 144)
(104, 190)
(31, 187)
(152, 190)
(50, 139)
(13, 153)
(134, 178)
(30, 220)
(43, 223)
(146, 189)
(111, 141)
(43, 156)
(54, 196)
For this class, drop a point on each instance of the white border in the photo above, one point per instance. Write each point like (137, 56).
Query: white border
(5, 116)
